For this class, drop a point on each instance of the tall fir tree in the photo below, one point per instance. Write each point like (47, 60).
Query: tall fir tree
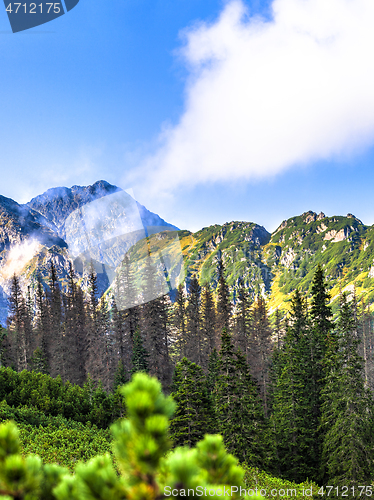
(242, 319)
(320, 331)
(154, 324)
(208, 324)
(139, 358)
(224, 307)
(43, 327)
(260, 349)
(19, 341)
(194, 339)
(58, 354)
(347, 410)
(193, 417)
(95, 345)
(292, 414)
(238, 408)
(179, 322)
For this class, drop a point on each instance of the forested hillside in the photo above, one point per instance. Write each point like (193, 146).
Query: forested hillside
(265, 339)
(292, 397)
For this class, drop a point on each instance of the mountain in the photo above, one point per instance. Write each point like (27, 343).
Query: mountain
(98, 225)
(274, 265)
(87, 224)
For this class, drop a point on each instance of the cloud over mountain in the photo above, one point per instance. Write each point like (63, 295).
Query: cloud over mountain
(263, 96)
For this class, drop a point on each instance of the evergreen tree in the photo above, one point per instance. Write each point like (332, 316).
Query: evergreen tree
(223, 299)
(194, 340)
(193, 416)
(260, 349)
(347, 409)
(154, 324)
(242, 319)
(292, 417)
(208, 324)
(58, 355)
(139, 356)
(94, 361)
(43, 329)
(213, 374)
(179, 322)
(120, 376)
(321, 328)
(19, 332)
(38, 362)
(238, 408)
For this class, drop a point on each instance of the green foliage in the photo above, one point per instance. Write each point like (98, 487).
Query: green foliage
(279, 488)
(140, 356)
(194, 413)
(53, 397)
(348, 445)
(141, 448)
(238, 409)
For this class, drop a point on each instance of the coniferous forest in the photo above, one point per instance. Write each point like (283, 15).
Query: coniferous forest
(290, 394)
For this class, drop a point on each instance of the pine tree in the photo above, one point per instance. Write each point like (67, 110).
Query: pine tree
(193, 417)
(38, 362)
(43, 329)
(261, 347)
(208, 324)
(223, 299)
(321, 327)
(94, 361)
(154, 325)
(194, 340)
(120, 376)
(347, 409)
(58, 354)
(179, 322)
(292, 416)
(139, 358)
(19, 340)
(242, 320)
(238, 408)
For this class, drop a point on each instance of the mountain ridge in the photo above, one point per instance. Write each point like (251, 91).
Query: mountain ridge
(47, 228)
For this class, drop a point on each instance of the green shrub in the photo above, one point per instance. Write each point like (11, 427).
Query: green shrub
(149, 470)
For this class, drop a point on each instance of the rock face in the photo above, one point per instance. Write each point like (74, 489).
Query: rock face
(54, 224)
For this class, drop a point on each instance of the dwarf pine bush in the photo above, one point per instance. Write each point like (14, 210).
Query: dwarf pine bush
(149, 470)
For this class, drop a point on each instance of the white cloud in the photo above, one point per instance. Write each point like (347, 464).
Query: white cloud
(18, 257)
(267, 95)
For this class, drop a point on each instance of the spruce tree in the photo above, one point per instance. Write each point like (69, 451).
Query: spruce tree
(260, 349)
(193, 417)
(16, 323)
(58, 354)
(95, 348)
(223, 299)
(73, 332)
(320, 331)
(179, 322)
(242, 319)
(292, 415)
(195, 347)
(43, 329)
(208, 324)
(139, 358)
(238, 408)
(154, 325)
(347, 410)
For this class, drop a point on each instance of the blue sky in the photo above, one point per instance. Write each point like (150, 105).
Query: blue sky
(210, 111)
